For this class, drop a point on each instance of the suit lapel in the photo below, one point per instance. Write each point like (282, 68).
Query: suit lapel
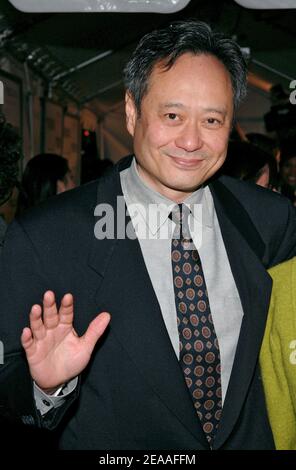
(136, 320)
(244, 248)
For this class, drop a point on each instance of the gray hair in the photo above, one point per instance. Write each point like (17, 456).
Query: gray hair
(167, 44)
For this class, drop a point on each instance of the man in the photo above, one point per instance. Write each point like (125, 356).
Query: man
(176, 367)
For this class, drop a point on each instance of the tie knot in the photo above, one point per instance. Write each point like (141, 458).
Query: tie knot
(179, 215)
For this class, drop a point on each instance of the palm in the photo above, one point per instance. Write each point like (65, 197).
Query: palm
(54, 351)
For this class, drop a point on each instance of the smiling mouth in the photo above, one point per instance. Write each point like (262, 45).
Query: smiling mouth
(186, 162)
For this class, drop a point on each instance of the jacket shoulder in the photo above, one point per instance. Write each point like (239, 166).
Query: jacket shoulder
(251, 193)
(263, 205)
(271, 214)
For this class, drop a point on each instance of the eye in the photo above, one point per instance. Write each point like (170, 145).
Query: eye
(172, 116)
(213, 121)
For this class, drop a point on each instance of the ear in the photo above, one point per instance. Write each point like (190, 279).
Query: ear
(61, 188)
(131, 113)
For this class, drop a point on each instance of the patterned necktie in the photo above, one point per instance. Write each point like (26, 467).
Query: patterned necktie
(199, 348)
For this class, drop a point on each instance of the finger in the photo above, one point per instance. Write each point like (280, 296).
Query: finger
(26, 338)
(95, 330)
(66, 312)
(36, 323)
(28, 341)
(50, 311)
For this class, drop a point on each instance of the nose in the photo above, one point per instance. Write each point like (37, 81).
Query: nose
(190, 138)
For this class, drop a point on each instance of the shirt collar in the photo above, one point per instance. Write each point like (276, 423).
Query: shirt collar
(160, 207)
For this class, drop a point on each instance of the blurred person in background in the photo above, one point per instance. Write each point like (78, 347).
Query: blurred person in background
(288, 169)
(93, 168)
(45, 176)
(265, 143)
(248, 162)
(10, 154)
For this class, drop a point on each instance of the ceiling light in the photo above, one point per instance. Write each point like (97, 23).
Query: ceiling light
(100, 6)
(267, 4)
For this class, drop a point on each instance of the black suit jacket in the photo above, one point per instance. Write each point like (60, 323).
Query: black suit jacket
(132, 394)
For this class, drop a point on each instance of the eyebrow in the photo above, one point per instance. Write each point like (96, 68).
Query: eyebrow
(221, 111)
(216, 110)
(173, 105)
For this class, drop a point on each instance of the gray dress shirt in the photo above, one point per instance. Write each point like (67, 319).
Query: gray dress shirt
(152, 219)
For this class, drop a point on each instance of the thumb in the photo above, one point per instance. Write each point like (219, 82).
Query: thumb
(95, 330)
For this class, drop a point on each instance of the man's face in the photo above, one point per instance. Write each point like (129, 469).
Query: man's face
(181, 136)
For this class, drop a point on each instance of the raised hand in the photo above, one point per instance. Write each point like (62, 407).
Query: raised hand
(54, 351)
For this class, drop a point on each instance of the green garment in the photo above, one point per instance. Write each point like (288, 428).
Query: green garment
(278, 356)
